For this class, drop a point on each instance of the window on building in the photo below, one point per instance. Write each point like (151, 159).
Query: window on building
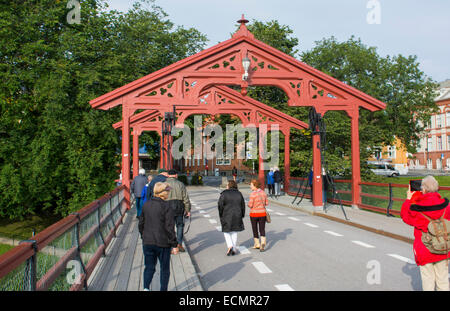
(377, 153)
(448, 142)
(439, 143)
(429, 144)
(223, 162)
(447, 118)
(438, 121)
(391, 152)
(429, 164)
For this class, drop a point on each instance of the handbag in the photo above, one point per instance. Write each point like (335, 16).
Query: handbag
(268, 219)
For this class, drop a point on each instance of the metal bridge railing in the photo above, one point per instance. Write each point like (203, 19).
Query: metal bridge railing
(387, 198)
(64, 255)
(343, 187)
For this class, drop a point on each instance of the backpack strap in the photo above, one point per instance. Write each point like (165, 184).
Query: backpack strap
(431, 221)
(428, 218)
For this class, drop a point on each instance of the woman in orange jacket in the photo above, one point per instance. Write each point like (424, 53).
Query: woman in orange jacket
(257, 204)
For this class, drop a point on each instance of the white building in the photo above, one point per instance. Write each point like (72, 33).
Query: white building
(434, 146)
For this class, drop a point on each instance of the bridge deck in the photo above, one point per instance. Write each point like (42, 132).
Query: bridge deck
(123, 266)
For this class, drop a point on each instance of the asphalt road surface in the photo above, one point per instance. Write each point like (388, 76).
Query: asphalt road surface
(303, 253)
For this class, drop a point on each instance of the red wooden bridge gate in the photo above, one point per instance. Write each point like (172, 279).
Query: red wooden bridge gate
(199, 84)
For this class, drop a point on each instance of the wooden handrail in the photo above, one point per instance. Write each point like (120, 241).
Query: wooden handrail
(15, 257)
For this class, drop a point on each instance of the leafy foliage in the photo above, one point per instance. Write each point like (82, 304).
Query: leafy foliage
(396, 81)
(56, 153)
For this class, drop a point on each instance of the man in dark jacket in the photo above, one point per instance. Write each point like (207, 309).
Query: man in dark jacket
(277, 178)
(161, 177)
(179, 201)
(231, 212)
(137, 185)
(156, 226)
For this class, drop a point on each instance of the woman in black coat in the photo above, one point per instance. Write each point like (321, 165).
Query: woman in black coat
(231, 211)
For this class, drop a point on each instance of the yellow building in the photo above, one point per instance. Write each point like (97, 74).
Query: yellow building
(395, 155)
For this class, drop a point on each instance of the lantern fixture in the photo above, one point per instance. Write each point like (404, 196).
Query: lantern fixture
(246, 65)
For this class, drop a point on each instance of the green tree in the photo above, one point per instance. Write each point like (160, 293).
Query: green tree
(57, 153)
(396, 81)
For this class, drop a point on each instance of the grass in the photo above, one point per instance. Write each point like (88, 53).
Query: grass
(399, 193)
(4, 248)
(23, 229)
(443, 181)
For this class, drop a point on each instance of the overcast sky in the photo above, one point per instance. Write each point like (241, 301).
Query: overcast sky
(407, 27)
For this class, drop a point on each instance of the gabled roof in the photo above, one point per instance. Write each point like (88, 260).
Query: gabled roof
(242, 36)
(241, 103)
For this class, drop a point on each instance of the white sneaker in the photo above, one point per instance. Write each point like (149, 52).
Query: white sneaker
(146, 290)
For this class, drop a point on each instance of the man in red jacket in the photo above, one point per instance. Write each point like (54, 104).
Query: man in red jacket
(433, 267)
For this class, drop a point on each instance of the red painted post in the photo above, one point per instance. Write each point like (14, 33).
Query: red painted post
(126, 152)
(356, 165)
(135, 153)
(287, 163)
(317, 173)
(261, 160)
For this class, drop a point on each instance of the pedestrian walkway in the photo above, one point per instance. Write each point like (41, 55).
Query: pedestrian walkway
(122, 268)
(390, 226)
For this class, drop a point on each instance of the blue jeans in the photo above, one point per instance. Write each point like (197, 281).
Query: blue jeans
(138, 206)
(179, 223)
(152, 253)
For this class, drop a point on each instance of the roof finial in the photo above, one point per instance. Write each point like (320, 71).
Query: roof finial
(242, 21)
(243, 31)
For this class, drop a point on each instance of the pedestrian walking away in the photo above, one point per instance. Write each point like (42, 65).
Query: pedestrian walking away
(270, 182)
(145, 190)
(277, 179)
(161, 177)
(257, 204)
(179, 201)
(231, 207)
(234, 172)
(136, 187)
(157, 229)
(419, 209)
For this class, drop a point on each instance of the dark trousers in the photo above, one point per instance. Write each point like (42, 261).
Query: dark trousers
(138, 206)
(179, 224)
(152, 254)
(271, 189)
(258, 222)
